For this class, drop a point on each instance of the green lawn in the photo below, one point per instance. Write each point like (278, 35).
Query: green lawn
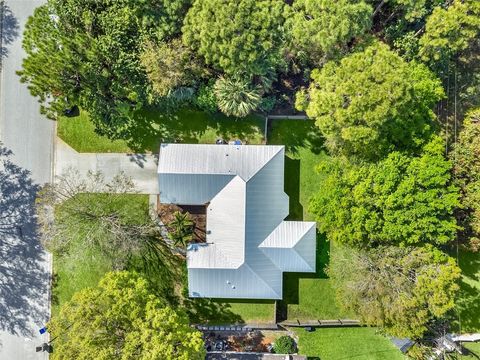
(346, 343)
(80, 267)
(308, 296)
(468, 303)
(151, 127)
(475, 351)
(226, 311)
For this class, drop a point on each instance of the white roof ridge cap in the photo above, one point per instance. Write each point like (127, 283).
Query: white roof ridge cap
(280, 148)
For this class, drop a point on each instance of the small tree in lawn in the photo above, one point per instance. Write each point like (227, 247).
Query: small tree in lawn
(284, 345)
(181, 229)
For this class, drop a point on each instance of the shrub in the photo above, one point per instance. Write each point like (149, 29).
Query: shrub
(284, 345)
(205, 99)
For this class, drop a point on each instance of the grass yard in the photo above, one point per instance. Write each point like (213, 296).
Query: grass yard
(79, 133)
(474, 348)
(307, 296)
(80, 267)
(468, 303)
(226, 311)
(347, 343)
(151, 127)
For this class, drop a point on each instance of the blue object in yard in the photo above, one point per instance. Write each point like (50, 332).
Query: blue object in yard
(238, 142)
(43, 330)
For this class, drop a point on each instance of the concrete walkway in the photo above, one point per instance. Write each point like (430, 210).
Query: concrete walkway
(142, 168)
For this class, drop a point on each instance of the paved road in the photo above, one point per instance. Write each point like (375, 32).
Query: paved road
(24, 266)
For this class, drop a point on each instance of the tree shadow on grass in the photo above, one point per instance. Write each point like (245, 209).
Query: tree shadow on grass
(468, 302)
(295, 134)
(23, 262)
(152, 126)
(292, 188)
(9, 29)
(204, 311)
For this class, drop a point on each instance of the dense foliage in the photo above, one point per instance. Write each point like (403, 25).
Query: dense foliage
(451, 30)
(284, 345)
(400, 289)
(236, 96)
(238, 37)
(87, 53)
(170, 66)
(400, 200)
(320, 29)
(122, 319)
(466, 156)
(372, 102)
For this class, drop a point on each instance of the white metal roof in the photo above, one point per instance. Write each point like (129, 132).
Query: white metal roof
(248, 245)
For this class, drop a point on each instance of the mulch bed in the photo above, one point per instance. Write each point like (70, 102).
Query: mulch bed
(197, 214)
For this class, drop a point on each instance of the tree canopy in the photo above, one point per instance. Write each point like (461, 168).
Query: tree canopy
(400, 200)
(466, 157)
(86, 53)
(237, 37)
(322, 28)
(451, 30)
(372, 102)
(122, 319)
(401, 290)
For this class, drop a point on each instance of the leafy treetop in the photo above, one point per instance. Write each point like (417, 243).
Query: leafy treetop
(450, 31)
(86, 53)
(466, 156)
(244, 36)
(372, 102)
(122, 319)
(322, 28)
(401, 200)
(402, 290)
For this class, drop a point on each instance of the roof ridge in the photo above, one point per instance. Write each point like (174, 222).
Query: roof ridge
(280, 148)
(261, 279)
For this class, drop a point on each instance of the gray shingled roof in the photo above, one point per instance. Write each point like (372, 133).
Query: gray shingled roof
(248, 245)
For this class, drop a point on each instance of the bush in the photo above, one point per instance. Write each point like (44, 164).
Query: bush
(205, 99)
(284, 345)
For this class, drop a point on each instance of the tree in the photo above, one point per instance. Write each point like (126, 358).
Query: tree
(372, 102)
(181, 229)
(236, 97)
(401, 200)
(86, 53)
(451, 31)
(466, 157)
(96, 213)
(122, 319)
(401, 289)
(237, 37)
(323, 28)
(170, 66)
(411, 10)
(284, 345)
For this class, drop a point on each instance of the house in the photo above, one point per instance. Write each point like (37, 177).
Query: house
(248, 244)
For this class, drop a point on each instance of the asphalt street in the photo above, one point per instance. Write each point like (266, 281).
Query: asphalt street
(25, 164)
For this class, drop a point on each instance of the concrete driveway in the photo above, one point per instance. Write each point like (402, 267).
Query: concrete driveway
(142, 168)
(25, 163)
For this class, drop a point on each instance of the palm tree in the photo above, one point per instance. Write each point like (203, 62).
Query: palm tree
(236, 97)
(181, 229)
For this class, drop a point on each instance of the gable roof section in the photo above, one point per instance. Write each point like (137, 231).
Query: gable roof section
(243, 186)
